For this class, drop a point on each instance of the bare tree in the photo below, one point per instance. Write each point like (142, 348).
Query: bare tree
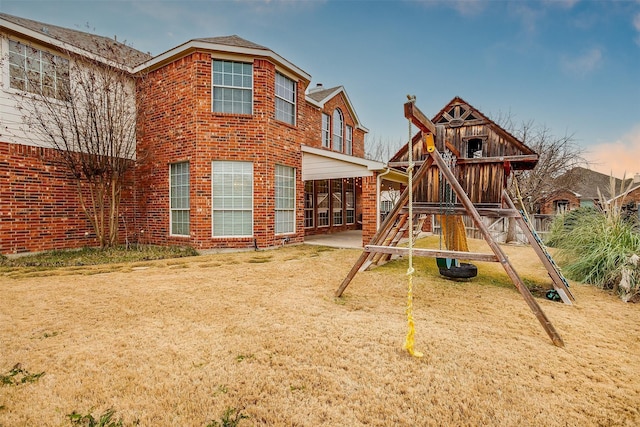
(85, 108)
(558, 155)
(381, 150)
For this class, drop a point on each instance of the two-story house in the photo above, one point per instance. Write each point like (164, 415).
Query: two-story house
(233, 151)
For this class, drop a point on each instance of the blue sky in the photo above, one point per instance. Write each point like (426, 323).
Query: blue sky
(570, 65)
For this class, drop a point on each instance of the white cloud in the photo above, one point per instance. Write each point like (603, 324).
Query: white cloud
(618, 157)
(582, 64)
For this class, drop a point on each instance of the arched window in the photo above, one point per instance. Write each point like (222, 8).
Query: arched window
(338, 130)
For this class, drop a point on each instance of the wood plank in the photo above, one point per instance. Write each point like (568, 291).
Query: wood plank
(418, 118)
(433, 253)
(479, 160)
(488, 212)
(497, 250)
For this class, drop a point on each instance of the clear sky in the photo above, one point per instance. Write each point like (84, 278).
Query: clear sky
(570, 65)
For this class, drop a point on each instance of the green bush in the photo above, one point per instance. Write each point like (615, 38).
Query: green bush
(594, 246)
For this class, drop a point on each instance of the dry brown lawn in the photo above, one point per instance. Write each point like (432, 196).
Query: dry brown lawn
(177, 342)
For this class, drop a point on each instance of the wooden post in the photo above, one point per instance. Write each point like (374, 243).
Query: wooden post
(497, 250)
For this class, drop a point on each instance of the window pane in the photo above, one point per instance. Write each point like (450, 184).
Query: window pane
(285, 199)
(179, 203)
(285, 99)
(232, 92)
(37, 71)
(326, 130)
(232, 198)
(337, 130)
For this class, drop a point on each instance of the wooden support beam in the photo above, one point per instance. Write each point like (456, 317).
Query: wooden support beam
(418, 118)
(432, 253)
(459, 210)
(559, 282)
(382, 232)
(465, 161)
(497, 250)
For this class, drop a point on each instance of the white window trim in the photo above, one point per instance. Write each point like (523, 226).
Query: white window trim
(171, 209)
(213, 59)
(326, 131)
(234, 236)
(340, 135)
(6, 68)
(292, 209)
(294, 103)
(348, 140)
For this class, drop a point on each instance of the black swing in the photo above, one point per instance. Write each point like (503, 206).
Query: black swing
(451, 268)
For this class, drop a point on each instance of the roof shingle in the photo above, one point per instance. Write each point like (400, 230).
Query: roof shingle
(82, 40)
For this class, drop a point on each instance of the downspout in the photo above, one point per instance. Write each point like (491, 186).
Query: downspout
(378, 188)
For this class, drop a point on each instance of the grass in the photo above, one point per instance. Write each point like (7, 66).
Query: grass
(17, 376)
(595, 247)
(95, 256)
(183, 346)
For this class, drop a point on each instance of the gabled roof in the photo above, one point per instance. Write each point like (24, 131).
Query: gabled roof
(586, 183)
(319, 96)
(233, 40)
(465, 113)
(225, 44)
(471, 115)
(79, 42)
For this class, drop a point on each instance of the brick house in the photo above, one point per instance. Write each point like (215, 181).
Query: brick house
(232, 151)
(582, 187)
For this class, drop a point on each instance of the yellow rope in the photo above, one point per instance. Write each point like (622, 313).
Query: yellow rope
(410, 339)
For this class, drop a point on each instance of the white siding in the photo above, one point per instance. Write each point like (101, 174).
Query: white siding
(12, 126)
(318, 167)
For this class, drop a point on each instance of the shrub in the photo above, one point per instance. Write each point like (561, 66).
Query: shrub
(596, 247)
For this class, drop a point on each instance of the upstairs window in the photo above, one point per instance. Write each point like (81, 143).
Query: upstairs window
(326, 130)
(338, 130)
(474, 148)
(348, 140)
(232, 87)
(37, 71)
(285, 99)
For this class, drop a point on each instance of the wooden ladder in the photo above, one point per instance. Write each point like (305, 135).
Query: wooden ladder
(560, 283)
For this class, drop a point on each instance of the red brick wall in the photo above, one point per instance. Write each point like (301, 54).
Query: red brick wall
(182, 127)
(39, 204)
(547, 207)
(369, 210)
(312, 124)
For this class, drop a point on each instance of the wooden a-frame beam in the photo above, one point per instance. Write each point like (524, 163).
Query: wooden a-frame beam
(497, 250)
(418, 118)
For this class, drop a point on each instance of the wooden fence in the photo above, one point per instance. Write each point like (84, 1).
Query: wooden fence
(499, 227)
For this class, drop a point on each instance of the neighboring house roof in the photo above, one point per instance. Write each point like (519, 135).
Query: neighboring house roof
(318, 96)
(586, 183)
(226, 44)
(79, 42)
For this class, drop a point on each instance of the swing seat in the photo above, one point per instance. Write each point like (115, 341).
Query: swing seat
(453, 269)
